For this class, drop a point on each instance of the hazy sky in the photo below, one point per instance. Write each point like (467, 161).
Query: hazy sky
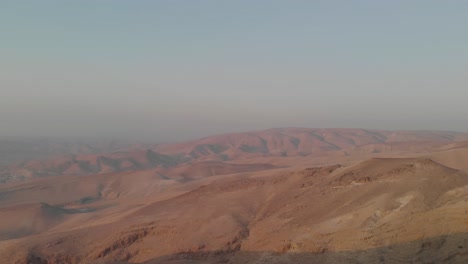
(170, 70)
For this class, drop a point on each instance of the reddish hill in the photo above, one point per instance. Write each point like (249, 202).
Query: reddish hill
(89, 164)
(239, 147)
(299, 141)
(212, 168)
(412, 210)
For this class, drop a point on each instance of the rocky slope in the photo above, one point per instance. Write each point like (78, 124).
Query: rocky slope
(382, 210)
(240, 148)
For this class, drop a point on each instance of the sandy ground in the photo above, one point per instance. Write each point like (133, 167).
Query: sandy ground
(396, 206)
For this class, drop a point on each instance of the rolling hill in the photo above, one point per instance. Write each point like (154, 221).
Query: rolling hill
(238, 148)
(275, 196)
(382, 210)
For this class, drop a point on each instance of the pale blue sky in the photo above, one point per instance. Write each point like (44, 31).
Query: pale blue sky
(170, 70)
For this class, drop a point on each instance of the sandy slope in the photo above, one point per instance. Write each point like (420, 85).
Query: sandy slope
(238, 148)
(373, 198)
(332, 214)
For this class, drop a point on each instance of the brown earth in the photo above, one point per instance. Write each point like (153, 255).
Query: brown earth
(240, 148)
(404, 203)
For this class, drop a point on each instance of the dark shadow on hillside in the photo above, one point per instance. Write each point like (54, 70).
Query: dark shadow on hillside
(442, 249)
(45, 217)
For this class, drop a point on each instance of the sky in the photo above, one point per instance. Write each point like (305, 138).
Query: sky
(175, 70)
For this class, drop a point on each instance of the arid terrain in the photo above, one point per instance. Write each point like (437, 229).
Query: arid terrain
(288, 195)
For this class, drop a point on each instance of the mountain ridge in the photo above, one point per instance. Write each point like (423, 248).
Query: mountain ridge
(236, 147)
(315, 215)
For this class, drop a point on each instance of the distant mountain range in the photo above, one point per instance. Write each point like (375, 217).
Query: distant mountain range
(289, 195)
(55, 159)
